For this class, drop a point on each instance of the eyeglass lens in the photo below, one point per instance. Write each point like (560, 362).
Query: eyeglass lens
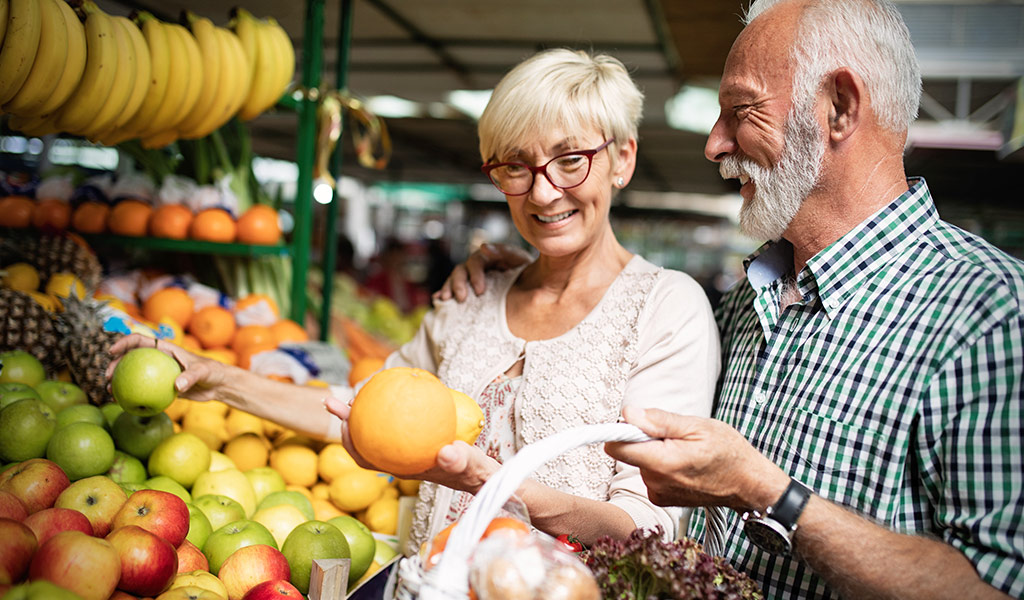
(568, 170)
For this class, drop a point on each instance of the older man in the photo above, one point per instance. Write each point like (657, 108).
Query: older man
(868, 430)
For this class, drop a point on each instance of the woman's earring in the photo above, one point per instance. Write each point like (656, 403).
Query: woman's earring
(620, 182)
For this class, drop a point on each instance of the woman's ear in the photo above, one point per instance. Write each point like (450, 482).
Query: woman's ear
(625, 161)
(848, 96)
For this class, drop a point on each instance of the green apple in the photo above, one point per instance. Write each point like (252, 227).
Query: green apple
(99, 498)
(309, 541)
(166, 484)
(126, 468)
(361, 543)
(143, 381)
(229, 482)
(264, 480)
(80, 412)
(60, 394)
(111, 411)
(40, 589)
(12, 391)
(220, 461)
(26, 427)
(296, 499)
(139, 435)
(131, 487)
(81, 449)
(181, 456)
(280, 520)
(223, 542)
(21, 367)
(219, 510)
(383, 552)
(199, 528)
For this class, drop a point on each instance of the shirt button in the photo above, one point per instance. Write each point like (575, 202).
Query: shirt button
(832, 303)
(760, 397)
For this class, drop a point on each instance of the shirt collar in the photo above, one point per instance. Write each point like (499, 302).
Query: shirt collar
(838, 269)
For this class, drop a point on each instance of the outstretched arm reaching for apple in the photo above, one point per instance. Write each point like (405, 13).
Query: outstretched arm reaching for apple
(471, 273)
(202, 379)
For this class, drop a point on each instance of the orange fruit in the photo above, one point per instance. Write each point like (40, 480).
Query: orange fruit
(497, 524)
(213, 225)
(259, 225)
(171, 302)
(129, 217)
(287, 330)
(170, 221)
(190, 343)
(400, 418)
(51, 213)
(90, 217)
(250, 335)
(254, 299)
(245, 355)
(224, 355)
(213, 326)
(16, 211)
(363, 368)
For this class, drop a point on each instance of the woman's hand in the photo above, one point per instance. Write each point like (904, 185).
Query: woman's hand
(200, 377)
(459, 466)
(487, 256)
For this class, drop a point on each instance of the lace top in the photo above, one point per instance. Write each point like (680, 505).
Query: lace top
(650, 341)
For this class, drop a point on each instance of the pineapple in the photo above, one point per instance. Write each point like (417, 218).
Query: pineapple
(86, 346)
(27, 325)
(55, 253)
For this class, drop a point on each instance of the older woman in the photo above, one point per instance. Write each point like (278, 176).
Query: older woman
(568, 339)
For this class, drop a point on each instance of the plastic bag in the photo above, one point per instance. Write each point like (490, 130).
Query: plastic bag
(532, 567)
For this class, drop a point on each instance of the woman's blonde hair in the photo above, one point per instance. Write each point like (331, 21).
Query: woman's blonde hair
(566, 89)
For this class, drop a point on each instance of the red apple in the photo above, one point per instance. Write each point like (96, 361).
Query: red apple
(36, 482)
(158, 512)
(119, 595)
(11, 507)
(148, 562)
(98, 498)
(86, 565)
(51, 521)
(251, 566)
(191, 558)
(16, 550)
(273, 590)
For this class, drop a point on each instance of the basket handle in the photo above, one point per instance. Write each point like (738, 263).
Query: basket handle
(449, 578)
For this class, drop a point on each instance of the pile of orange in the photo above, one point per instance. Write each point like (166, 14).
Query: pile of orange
(170, 221)
(16, 211)
(129, 217)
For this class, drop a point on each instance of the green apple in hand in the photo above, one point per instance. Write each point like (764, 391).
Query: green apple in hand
(60, 394)
(81, 449)
(361, 543)
(312, 540)
(137, 435)
(223, 542)
(25, 429)
(143, 381)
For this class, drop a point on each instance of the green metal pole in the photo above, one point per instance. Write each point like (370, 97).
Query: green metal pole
(331, 242)
(312, 62)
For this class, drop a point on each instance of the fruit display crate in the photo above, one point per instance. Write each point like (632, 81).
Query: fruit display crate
(190, 246)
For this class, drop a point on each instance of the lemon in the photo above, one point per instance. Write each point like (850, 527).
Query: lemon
(356, 489)
(296, 463)
(334, 460)
(382, 515)
(21, 276)
(248, 451)
(469, 418)
(239, 421)
(280, 520)
(63, 284)
(324, 510)
(321, 490)
(178, 408)
(409, 487)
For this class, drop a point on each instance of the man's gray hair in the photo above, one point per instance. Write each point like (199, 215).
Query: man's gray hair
(867, 36)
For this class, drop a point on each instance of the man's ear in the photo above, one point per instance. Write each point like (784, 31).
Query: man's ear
(848, 96)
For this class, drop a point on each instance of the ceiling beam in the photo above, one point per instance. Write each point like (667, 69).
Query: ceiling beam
(702, 33)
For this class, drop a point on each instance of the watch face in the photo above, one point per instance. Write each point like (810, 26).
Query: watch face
(768, 535)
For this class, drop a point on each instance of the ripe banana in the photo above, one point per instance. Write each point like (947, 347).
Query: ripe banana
(100, 69)
(53, 53)
(73, 67)
(21, 42)
(246, 36)
(124, 82)
(216, 72)
(226, 92)
(267, 65)
(5, 9)
(160, 64)
(195, 75)
(177, 84)
(286, 52)
(244, 74)
(143, 70)
(33, 126)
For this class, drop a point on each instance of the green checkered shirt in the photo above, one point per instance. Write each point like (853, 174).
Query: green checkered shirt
(894, 388)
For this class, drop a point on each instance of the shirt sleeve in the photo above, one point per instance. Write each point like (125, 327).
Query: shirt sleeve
(676, 371)
(971, 457)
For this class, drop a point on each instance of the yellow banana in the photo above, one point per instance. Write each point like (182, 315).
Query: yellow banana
(244, 74)
(5, 9)
(215, 73)
(53, 53)
(143, 70)
(286, 52)
(33, 126)
(21, 42)
(246, 34)
(124, 82)
(267, 68)
(195, 75)
(226, 92)
(73, 67)
(177, 84)
(98, 79)
(160, 64)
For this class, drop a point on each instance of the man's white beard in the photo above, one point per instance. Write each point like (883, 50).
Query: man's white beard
(779, 191)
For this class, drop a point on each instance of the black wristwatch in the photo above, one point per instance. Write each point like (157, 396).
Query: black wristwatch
(773, 530)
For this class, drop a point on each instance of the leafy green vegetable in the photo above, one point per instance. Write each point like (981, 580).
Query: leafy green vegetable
(644, 567)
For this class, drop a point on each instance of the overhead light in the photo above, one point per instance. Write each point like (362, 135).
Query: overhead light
(393, 107)
(470, 102)
(323, 193)
(693, 109)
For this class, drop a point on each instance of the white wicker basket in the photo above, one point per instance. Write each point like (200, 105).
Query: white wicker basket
(449, 579)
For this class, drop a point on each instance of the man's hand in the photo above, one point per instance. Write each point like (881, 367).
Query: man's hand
(199, 376)
(471, 272)
(696, 461)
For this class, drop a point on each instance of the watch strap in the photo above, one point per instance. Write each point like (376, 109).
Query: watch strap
(787, 510)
